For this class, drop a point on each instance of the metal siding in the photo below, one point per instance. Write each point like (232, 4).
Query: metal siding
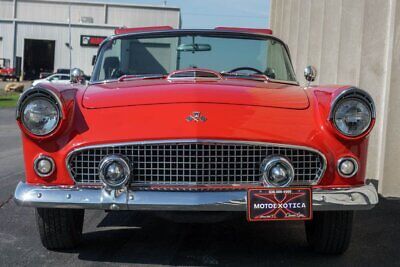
(353, 42)
(81, 56)
(130, 16)
(96, 12)
(141, 17)
(6, 32)
(48, 20)
(40, 11)
(6, 9)
(391, 170)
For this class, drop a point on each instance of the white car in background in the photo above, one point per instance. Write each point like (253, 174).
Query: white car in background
(55, 78)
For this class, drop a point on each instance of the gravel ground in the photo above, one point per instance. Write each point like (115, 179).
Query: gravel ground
(125, 238)
(27, 84)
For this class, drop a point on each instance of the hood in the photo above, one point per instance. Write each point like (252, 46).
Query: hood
(227, 91)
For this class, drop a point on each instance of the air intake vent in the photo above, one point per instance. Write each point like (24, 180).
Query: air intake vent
(195, 74)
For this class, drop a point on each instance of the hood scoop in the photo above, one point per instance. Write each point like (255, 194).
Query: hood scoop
(194, 74)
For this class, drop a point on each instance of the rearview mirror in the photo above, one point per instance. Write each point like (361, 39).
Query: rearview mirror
(193, 47)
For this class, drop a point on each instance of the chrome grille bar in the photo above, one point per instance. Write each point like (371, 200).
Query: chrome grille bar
(196, 162)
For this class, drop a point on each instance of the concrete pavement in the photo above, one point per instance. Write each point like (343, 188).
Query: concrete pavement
(125, 238)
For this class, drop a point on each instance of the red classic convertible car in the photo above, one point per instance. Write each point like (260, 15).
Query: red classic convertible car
(196, 122)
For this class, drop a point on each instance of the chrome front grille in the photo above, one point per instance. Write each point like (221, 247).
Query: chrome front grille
(203, 162)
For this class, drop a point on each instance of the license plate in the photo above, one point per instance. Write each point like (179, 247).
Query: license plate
(279, 204)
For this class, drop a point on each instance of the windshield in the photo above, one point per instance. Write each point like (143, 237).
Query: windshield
(229, 54)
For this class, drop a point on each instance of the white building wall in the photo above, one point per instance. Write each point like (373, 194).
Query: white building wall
(119, 15)
(352, 42)
(81, 56)
(6, 9)
(6, 31)
(48, 20)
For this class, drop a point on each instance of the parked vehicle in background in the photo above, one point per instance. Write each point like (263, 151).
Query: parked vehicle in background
(196, 122)
(54, 78)
(6, 72)
(63, 71)
(44, 75)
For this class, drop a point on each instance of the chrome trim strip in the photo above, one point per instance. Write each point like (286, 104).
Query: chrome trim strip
(283, 81)
(178, 32)
(211, 141)
(104, 163)
(355, 198)
(184, 78)
(349, 91)
(29, 90)
(267, 165)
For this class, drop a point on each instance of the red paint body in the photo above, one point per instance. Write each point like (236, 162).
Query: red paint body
(236, 109)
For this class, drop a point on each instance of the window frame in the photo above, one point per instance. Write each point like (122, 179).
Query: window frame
(178, 33)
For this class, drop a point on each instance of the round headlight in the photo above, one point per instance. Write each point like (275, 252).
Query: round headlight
(352, 116)
(40, 115)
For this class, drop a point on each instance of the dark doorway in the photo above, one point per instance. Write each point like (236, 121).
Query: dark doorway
(38, 57)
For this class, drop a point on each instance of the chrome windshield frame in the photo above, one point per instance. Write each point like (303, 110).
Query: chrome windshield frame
(183, 32)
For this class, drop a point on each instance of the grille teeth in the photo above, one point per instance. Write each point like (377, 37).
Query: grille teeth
(196, 163)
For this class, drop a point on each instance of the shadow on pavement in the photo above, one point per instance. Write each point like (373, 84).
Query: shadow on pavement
(128, 237)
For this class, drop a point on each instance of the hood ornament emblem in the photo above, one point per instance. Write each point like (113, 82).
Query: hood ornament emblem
(196, 116)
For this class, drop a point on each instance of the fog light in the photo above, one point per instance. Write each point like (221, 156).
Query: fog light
(277, 171)
(44, 166)
(114, 171)
(347, 167)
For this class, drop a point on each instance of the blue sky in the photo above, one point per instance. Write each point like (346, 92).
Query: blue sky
(211, 13)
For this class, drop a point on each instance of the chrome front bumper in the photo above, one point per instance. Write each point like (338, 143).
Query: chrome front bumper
(356, 198)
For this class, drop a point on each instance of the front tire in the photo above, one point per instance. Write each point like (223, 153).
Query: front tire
(330, 231)
(60, 228)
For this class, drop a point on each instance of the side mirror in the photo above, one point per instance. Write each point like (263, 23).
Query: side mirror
(94, 60)
(310, 73)
(77, 76)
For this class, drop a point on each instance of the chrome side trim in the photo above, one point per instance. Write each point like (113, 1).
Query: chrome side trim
(355, 198)
(211, 141)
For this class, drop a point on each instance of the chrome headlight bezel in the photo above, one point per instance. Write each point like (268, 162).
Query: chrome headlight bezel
(106, 162)
(271, 162)
(359, 97)
(35, 94)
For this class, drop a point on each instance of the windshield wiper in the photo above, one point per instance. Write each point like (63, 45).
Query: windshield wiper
(257, 77)
(128, 77)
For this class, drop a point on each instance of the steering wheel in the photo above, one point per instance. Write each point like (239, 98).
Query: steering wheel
(246, 68)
